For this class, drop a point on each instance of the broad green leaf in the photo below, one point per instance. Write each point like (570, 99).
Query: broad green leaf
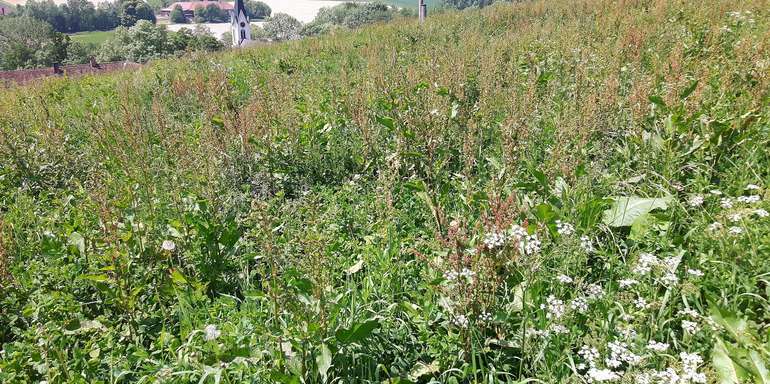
(762, 375)
(323, 361)
(737, 328)
(386, 121)
(357, 332)
(688, 91)
(279, 377)
(76, 240)
(657, 100)
(545, 213)
(727, 371)
(177, 277)
(96, 277)
(626, 209)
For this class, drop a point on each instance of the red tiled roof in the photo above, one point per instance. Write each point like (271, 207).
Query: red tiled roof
(23, 76)
(191, 5)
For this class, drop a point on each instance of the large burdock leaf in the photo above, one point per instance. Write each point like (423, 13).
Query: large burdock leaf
(324, 361)
(626, 209)
(758, 366)
(728, 372)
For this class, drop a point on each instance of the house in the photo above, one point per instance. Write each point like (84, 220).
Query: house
(189, 7)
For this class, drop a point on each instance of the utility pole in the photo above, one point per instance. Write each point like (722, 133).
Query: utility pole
(423, 10)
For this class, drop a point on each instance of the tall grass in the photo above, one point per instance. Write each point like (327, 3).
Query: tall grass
(390, 204)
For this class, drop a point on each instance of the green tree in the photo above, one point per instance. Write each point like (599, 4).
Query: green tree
(214, 14)
(74, 15)
(349, 15)
(257, 9)
(283, 27)
(131, 11)
(80, 53)
(177, 15)
(26, 42)
(106, 16)
(140, 43)
(146, 41)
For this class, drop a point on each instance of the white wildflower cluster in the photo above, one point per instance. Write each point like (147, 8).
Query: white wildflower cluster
(734, 230)
(752, 199)
(668, 376)
(715, 226)
(594, 291)
(494, 239)
(517, 232)
(753, 187)
(210, 332)
(690, 363)
(564, 279)
(715, 192)
(657, 346)
(460, 321)
(670, 264)
(530, 245)
(168, 245)
(640, 303)
(645, 263)
(465, 274)
(589, 354)
(695, 272)
(734, 217)
(690, 325)
(554, 307)
(564, 229)
(625, 283)
(595, 375)
(558, 329)
(761, 213)
(742, 17)
(726, 203)
(696, 201)
(587, 244)
(619, 354)
(542, 333)
(579, 305)
(485, 317)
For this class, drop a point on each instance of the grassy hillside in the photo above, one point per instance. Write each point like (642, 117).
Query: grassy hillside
(540, 192)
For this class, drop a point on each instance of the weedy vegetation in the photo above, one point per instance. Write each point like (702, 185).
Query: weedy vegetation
(542, 192)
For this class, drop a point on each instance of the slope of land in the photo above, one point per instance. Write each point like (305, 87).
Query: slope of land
(539, 192)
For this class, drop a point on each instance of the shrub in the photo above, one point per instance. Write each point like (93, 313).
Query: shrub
(283, 27)
(177, 15)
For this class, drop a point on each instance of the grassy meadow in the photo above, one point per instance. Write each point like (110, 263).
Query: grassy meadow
(92, 37)
(540, 192)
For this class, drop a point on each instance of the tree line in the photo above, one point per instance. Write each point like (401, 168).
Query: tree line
(255, 10)
(82, 15)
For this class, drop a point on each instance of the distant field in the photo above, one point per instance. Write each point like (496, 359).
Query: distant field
(94, 37)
